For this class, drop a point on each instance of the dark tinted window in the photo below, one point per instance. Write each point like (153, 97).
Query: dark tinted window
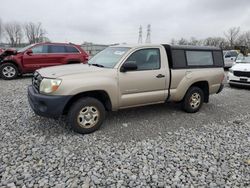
(218, 59)
(199, 58)
(179, 59)
(57, 49)
(40, 49)
(71, 49)
(147, 59)
(233, 54)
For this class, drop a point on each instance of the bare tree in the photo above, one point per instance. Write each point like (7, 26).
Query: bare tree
(244, 39)
(195, 42)
(34, 32)
(232, 35)
(216, 41)
(173, 41)
(182, 41)
(14, 33)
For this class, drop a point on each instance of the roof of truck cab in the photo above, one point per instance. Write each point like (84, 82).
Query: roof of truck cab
(189, 47)
(184, 47)
(136, 45)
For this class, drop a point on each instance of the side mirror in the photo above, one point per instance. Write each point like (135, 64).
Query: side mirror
(128, 66)
(29, 52)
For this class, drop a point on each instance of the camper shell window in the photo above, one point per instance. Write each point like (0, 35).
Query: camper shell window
(182, 57)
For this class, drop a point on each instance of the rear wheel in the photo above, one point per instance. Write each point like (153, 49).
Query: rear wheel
(8, 71)
(193, 100)
(86, 115)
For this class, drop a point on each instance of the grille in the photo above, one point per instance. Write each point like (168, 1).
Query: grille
(36, 80)
(242, 73)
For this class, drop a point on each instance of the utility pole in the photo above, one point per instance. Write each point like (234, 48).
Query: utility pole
(148, 39)
(140, 35)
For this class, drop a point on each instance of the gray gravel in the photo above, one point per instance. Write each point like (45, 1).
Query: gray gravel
(155, 146)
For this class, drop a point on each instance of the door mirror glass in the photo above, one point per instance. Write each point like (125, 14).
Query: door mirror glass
(129, 66)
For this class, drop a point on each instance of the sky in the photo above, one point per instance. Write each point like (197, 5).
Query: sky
(118, 21)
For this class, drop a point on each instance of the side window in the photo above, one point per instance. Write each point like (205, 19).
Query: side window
(227, 54)
(179, 59)
(146, 59)
(234, 54)
(40, 49)
(71, 49)
(199, 58)
(218, 59)
(57, 49)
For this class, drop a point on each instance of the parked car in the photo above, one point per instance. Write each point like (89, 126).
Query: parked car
(39, 55)
(1, 50)
(127, 76)
(230, 57)
(239, 74)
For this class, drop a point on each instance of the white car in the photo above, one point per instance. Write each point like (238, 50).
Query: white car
(239, 74)
(229, 58)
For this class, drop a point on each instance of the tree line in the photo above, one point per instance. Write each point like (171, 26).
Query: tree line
(232, 37)
(16, 33)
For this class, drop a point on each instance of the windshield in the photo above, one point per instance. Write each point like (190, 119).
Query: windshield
(243, 59)
(25, 48)
(109, 57)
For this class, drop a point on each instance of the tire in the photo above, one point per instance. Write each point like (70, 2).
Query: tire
(8, 71)
(92, 117)
(193, 100)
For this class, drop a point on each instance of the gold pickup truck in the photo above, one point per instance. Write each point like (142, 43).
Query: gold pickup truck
(127, 76)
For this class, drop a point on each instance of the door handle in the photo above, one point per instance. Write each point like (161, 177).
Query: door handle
(160, 76)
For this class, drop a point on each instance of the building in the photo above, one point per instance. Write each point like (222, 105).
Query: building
(93, 49)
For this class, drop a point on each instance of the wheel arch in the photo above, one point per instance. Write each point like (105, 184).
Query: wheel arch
(204, 86)
(14, 63)
(100, 95)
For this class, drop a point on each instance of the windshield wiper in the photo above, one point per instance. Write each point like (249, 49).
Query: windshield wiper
(97, 65)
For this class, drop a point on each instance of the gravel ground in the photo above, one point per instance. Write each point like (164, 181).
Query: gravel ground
(154, 146)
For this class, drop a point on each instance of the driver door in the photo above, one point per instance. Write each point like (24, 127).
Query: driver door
(147, 84)
(35, 60)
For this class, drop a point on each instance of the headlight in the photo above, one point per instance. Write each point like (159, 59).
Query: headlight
(231, 71)
(49, 85)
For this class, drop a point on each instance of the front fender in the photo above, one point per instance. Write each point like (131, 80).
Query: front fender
(75, 86)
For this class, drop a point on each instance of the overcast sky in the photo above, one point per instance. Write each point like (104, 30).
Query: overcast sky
(117, 21)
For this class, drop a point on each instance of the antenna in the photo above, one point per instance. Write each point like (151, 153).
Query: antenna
(140, 35)
(148, 39)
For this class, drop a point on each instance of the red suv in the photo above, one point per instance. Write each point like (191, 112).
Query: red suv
(39, 55)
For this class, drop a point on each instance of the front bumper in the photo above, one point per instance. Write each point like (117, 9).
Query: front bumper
(238, 81)
(47, 105)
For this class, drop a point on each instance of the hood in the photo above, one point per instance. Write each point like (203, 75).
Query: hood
(241, 67)
(7, 53)
(65, 70)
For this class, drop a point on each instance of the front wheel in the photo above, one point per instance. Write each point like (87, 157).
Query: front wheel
(193, 100)
(86, 115)
(8, 71)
